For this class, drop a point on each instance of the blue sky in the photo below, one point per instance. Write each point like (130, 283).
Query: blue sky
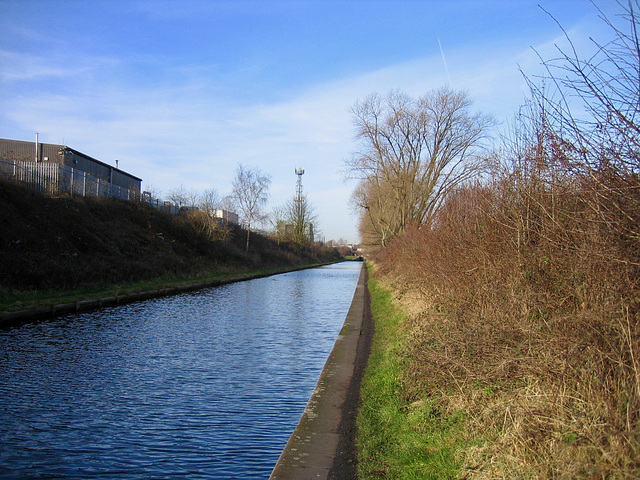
(181, 92)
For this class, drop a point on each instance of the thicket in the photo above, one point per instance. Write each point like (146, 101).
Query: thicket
(61, 243)
(524, 290)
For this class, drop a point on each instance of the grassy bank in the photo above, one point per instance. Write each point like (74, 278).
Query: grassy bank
(521, 284)
(402, 434)
(64, 249)
(29, 299)
(453, 394)
(527, 328)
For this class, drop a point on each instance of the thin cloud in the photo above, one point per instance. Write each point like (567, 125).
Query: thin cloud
(174, 118)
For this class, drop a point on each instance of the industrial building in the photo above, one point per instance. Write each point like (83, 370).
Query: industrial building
(58, 169)
(46, 153)
(226, 216)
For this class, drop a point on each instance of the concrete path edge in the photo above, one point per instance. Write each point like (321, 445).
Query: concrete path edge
(314, 447)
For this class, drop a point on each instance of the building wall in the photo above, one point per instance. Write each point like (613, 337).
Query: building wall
(26, 151)
(227, 216)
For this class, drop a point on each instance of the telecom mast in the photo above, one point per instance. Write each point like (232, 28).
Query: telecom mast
(299, 173)
(299, 212)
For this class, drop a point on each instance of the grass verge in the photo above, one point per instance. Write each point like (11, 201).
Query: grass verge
(401, 435)
(28, 299)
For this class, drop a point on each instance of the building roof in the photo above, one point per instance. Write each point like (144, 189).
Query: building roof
(68, 149)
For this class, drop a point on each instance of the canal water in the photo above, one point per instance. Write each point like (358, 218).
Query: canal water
(207, 384)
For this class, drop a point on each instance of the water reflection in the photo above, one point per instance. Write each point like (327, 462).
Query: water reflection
(208, 384)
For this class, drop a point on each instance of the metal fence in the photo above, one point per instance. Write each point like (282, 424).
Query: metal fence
(56, 179)
(172, 208)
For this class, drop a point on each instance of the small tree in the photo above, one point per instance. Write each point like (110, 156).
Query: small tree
(301, 217)
(179, 196)
(205, 218)
(210, 201)
(183, 197)
(278, 221)
(250, 193)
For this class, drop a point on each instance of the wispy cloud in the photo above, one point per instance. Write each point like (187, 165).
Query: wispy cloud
(18, 67)
(182, 133)
(186, 113)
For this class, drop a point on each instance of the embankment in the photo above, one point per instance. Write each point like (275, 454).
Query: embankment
(52, 309)
(60, 244)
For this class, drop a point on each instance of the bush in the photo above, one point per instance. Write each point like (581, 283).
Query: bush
(526, 300)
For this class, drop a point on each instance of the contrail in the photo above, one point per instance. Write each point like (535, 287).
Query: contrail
(444, 61)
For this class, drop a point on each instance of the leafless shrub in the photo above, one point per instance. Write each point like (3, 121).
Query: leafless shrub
(214, 229)
(250, 193)
(525, 290)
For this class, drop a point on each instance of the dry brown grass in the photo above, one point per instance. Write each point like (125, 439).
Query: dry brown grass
(525, 289)
(525, 305)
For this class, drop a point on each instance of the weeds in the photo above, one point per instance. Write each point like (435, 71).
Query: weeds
(523, 290)
(536, 341)
(402, 434)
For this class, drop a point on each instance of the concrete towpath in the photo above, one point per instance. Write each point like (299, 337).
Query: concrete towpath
(322, 445)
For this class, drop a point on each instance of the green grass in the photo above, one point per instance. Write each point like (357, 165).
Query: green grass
(27, 299)
(401, 438)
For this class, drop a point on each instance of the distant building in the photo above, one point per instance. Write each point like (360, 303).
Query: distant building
(227, 216)
(47, 153)
(356, 250)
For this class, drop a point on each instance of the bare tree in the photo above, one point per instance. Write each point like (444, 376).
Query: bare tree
(374, 201)
(302, 218)
(210, 201)
(413, 152)
(204, 217)
(597, 99)
(154, 192)
(278, 221)
(593, 112)
(179, 196)
(183, 197)
(250, 191)
(193, 198)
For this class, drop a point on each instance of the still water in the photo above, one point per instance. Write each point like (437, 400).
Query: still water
(208, 384)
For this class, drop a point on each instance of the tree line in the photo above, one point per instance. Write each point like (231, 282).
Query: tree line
(580, 123)
(248, 198)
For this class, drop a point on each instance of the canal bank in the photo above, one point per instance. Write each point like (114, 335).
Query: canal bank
(322, 445)
(50, 310)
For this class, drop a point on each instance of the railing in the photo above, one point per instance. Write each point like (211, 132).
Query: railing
(55, 179)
